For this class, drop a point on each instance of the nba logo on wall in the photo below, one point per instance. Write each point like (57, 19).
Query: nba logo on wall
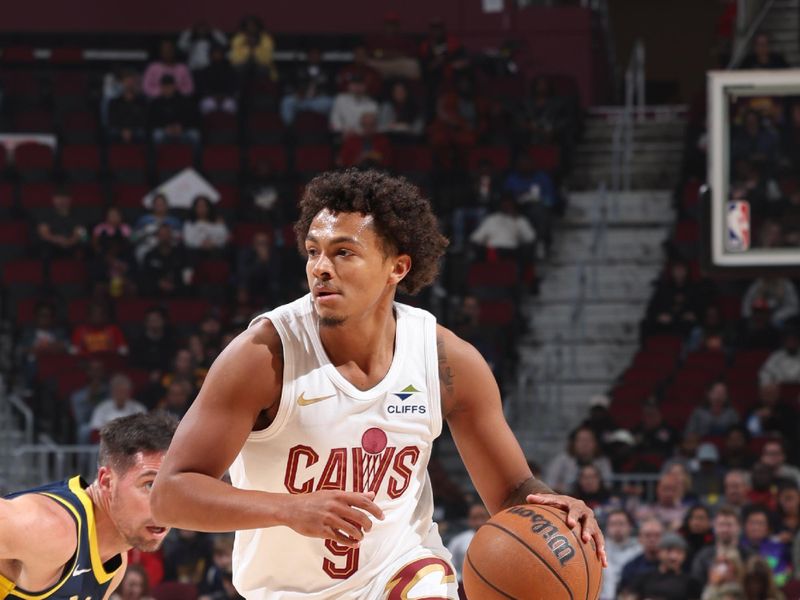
(738, 239)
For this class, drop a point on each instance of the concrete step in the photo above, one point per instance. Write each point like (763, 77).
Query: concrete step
(619, 244)
(617, 208)
(656, 176)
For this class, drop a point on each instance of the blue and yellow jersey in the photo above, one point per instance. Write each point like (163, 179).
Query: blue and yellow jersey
(85, 576)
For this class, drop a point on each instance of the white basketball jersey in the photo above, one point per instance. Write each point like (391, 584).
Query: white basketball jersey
(329, 435)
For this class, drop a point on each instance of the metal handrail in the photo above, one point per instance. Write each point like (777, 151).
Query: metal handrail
(745, 33)
(58, 461)
(27, 415)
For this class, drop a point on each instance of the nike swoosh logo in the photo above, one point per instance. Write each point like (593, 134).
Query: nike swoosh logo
(303, 401)
(77, 572)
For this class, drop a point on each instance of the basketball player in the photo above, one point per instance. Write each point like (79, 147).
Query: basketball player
(68, 540)
(325, 411)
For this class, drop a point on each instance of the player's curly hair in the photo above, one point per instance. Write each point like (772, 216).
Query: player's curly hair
(403, 218)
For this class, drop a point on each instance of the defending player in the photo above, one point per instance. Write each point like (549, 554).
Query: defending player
(325, 410)
(67, 540)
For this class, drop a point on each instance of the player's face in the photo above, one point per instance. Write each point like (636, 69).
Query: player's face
(349, 270)
(130, 503)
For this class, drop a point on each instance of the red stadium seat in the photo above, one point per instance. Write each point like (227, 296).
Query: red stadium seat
(53, 365)
(79, 126)
(36, 196)
(188, 311)
(244, 233)
(3, 159)
(69, 382)
(545, 157)
(66, 271)
(128, 161)
(34, 161)
(78, 311)
(313, 159)
(173, 590)
(23, 271)
(412, 158)
(34, 121)
(498, 156)
(710, 361)
(220, 127)
(274, 155)
(228, 199)
(13, 239)
(310, 127)
(171, 158)
(214, 272)
(265, 128)
(132, 310)
(497, 312)
(129, 195)
(221, 162)
(667, 345)
(81, 161)
(499, 273)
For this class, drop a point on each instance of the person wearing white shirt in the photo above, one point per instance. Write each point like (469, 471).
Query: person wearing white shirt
(120, 404)
(478, 515)
(205, 231)
(197, 42)
(621, 547)
(349, 106)
(505, 229)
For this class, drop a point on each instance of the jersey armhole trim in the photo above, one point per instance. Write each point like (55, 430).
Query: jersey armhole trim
(98, 567)
(432, 364)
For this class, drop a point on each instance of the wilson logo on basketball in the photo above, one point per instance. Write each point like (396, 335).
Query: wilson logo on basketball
(558, 544)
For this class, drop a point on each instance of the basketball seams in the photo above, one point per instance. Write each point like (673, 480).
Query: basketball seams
(534, 552)
(486, 581)
(580, 545)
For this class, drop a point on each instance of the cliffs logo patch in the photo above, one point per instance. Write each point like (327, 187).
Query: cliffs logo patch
(406, 392)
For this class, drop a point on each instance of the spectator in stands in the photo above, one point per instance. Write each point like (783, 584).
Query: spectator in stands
(787, 515)
(505, 231)
(178, 399)
(711, 334)
(172, 116)
(442, 55)
(135, 585)
(758, 331)
(120, 404)
(736, 490)
(216, 584)
(360, 69)
(590, 488)
(773, 456)
(392, 53)
(60, 232)
(184, 368)
(669, 506)
(602, 422)
(727, 531)
(309, 90)
(696, 530)
(707, 476)
(167, 65)
(536, 194)
(724, 577)
(754, 142)
(258, 270)
(621, 547)
(772, 415)
(127, 113)
(216, 84)
(165, 269)
(467, 325)
(778, 293)
(348, 107)
(83, 401)
(653, 435)
(542, 117)
(367, 149)
(758, 539)
(650, 533)
(762, 56)
(205, 231)
(759, 583)
(736, 453)
(676, 303)
(252, 48)
(668, 581)
(187, 555)
(98, 335)
(716, 415)
(400, 116)
(450, 135)
(145, 232)
(481, 193)
(478, 515)
(113, 264)
(265, 195)
(43, 337)
(783, 366)
(153, 348)
(197, 43)
(583, 449)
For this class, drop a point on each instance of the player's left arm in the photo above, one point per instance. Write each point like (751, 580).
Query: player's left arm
(118, 577)
(496, 464)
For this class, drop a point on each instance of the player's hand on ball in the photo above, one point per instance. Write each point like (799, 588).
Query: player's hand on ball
(577, 512)
(343, 517)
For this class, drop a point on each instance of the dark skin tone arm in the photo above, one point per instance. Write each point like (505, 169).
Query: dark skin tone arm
(496, 464)
(241, 394)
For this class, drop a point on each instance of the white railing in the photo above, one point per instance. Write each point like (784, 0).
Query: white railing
(49, 461)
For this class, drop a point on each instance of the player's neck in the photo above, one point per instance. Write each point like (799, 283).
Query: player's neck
(367, 342)
(109, 541)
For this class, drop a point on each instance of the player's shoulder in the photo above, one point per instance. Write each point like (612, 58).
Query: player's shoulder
(454, 349)
(256, 342)
(40, 529)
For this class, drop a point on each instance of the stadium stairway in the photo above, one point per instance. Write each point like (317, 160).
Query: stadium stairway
(597, 281)
(782, 23)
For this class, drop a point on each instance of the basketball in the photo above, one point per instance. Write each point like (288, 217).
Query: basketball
(527, 552)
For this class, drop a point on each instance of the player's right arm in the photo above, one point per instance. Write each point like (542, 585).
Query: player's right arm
(244, 382)
(37, 532)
